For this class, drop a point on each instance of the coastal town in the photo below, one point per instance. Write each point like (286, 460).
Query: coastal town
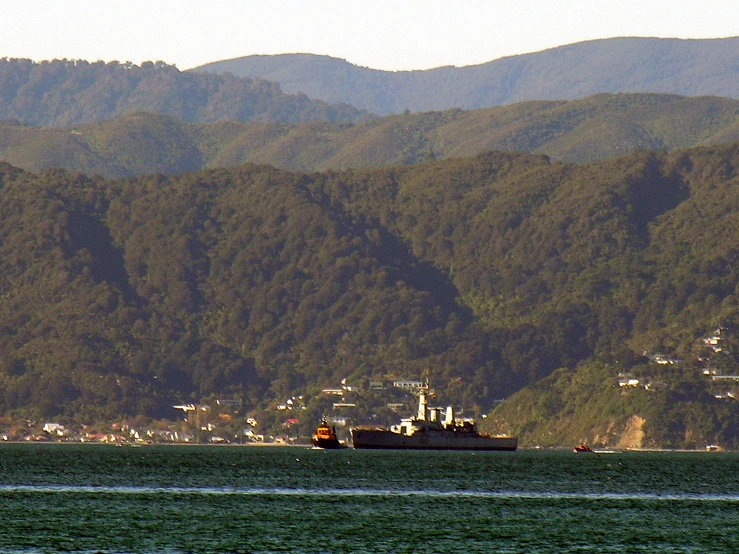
(290, 421)
(223, 421)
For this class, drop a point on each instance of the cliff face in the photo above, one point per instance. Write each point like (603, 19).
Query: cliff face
(633, 433)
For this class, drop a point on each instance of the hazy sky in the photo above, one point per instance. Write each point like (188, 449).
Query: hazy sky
(382, 34)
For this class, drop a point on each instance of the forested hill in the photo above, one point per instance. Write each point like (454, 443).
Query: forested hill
(685, 67)
(592, 128)
(68, 92)
(128, 296)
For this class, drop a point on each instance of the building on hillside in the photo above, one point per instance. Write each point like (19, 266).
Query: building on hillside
(628, 382)
(54, 429)
(408, 384)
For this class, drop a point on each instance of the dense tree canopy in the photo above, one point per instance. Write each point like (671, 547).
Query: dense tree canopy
(124, 297)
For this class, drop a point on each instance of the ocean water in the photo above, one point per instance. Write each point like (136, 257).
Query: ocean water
(182, 499)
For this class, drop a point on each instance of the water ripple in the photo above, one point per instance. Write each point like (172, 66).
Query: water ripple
(337, 492)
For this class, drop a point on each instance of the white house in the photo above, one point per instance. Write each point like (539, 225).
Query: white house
(54, 429)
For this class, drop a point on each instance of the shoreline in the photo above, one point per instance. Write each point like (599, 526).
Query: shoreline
(143, 444)
(308, 445)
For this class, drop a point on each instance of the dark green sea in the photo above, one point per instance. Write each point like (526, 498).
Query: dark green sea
(170, 499)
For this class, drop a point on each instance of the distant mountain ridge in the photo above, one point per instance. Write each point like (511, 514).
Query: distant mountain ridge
(68, 92)
(692, 67)
(589, 129)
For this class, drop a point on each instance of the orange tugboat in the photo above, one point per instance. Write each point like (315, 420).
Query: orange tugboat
(582, 447)
(325, 436)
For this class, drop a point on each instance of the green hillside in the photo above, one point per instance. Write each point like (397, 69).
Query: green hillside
(677, 410)
(69, 92)
(626, 64)
(491, 274)
(593, 128)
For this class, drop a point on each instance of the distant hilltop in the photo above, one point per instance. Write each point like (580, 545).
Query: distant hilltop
(592, 128)
(694, 67)
(70, 92)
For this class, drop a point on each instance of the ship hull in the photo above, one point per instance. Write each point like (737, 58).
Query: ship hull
(380, 439)
(327, 444)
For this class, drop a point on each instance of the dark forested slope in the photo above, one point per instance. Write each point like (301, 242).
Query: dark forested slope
(627, 64)
(63, 92)
(127, 296)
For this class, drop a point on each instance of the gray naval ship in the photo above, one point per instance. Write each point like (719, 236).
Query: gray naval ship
(426, 431)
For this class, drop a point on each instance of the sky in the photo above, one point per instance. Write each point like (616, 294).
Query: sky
(381, 34)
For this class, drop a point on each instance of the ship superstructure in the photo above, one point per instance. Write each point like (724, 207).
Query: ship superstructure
(430, 429)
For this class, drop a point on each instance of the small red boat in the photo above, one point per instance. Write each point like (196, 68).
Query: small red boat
(582, 447)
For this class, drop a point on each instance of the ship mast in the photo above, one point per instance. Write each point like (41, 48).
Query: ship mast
(422, 404)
